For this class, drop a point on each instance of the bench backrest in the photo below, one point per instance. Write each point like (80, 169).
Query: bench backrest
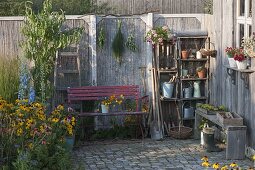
(100, 92)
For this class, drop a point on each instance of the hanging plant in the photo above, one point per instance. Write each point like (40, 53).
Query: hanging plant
(130, 43)
(101, 38)
(118, 44)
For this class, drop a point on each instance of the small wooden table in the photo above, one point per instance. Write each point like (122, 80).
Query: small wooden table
(236, 135)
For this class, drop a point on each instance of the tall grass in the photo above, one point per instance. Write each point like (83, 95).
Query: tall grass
(9, 78)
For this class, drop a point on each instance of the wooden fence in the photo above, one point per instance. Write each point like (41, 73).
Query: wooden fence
(100, 68)
(161, 6)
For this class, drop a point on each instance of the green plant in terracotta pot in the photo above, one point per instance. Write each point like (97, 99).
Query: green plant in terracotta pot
(201, 71)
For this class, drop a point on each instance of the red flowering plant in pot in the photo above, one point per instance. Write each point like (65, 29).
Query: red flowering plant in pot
(230, 52)
(240, 59)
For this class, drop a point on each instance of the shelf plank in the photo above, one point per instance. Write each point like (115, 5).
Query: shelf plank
(192, 79)
(168, 99)
(68, 54)
(68, 71)
(167, 71)
(240, 70)
(191, 118)
(195, 60)
(195, 98)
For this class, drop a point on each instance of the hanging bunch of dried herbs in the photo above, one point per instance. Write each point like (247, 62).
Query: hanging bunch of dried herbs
(130, 43)
(118, 44)
(101, 38)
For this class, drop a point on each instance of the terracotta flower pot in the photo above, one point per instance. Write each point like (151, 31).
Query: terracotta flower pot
(185, 54)
(201, 74)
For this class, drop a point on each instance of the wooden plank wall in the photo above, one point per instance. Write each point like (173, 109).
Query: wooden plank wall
(236, 97)
(252, 84)
(10, 38)
(162, 6)
(110, 72)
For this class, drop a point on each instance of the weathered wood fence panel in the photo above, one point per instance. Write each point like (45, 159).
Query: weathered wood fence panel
(235, 96)
(162, 6)
(10, 38)
(110, 72)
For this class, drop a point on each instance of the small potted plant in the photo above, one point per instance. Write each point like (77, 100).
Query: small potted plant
(201, 72)
(240, 59)
(230, 51)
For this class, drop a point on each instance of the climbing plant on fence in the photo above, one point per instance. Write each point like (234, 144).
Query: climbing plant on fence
(43, 37)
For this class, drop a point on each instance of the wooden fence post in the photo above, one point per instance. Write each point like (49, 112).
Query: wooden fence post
(149, 26)
(93, 47)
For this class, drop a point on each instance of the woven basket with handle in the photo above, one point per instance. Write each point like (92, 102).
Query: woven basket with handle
(180, 132)
(208, 52)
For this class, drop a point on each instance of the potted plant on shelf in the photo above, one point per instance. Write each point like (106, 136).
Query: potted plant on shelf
(249, 45)
(230, 51)
(201, 71)
(240, 59)
(160, 34)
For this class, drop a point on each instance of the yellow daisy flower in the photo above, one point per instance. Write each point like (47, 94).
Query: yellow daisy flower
(205, 158)
(205, 164)
(216, 165)
(233, 165)
(224, 167)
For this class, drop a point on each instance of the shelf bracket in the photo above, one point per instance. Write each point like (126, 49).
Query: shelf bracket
(245, 78)
(232, 74)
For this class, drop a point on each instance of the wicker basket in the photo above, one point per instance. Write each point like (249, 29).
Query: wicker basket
(208, 52)
(180, 132)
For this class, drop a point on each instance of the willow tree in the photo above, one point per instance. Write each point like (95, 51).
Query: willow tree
(43, 37)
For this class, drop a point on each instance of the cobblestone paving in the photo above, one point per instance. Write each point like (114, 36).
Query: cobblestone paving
(147, 154)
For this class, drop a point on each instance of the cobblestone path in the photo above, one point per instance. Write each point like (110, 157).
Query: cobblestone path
(147, 154)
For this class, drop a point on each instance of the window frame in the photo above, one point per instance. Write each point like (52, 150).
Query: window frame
(246, 20)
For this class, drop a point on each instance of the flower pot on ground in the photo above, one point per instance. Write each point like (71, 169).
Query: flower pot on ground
(70, 141)
(185, 54)
(201, 72)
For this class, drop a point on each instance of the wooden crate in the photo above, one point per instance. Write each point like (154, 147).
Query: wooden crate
(226, 119)
(208, 112)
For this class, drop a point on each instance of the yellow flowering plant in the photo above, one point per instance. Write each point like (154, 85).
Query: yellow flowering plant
(112, 100)
(217, 166)
(25, 126)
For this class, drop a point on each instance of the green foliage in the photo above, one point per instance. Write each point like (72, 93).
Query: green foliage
(208, 6)
(130, 43)
(71, 7)
(101, 38)
(201, 68)
(212, 107)
(9, 78)
(118, 44)
(43, 39)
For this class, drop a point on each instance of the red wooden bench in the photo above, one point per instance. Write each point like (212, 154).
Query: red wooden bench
(98, 93)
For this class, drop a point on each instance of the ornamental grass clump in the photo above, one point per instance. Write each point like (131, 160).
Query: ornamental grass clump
(28, 131)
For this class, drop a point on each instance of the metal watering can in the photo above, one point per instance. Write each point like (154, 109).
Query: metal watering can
(188, 112)
(197, 92)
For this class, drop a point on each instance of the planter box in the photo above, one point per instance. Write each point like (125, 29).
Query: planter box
(208, 112)
(229, 119)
